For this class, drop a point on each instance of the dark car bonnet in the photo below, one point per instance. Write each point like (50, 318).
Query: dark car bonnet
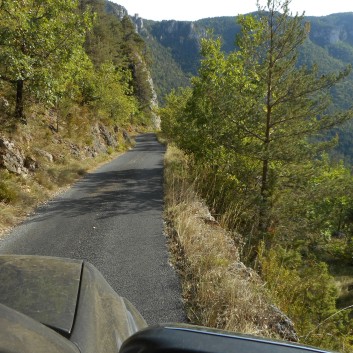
(44, 288)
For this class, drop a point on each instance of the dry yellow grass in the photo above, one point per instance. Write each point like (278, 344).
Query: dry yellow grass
(33, 190)
(218, 289)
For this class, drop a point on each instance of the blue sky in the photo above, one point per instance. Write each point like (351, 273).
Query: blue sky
(190, 10)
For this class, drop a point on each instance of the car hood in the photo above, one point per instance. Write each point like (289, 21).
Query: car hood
(44, 288)
(40, 295)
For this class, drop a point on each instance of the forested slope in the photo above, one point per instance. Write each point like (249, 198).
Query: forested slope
(74, 82)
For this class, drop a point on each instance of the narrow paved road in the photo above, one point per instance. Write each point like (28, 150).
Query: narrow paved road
(113, 219)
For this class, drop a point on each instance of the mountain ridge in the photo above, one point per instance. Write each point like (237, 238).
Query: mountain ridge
(174, 50)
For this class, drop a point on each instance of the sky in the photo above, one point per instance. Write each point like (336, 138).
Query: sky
(191, 10)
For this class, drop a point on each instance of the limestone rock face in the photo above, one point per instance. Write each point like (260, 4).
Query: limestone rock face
(108, 137)
(102, 138)
(11, 158)
(283, 325)
(20, 162)
(139, 26)
(117, 10)
(330, 35)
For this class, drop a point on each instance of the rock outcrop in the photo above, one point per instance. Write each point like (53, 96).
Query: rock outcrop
(46, 155)
(109, 138)
(116, 9)
(12, 158)
(17, 161)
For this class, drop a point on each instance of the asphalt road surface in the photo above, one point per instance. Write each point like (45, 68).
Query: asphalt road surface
(113, 219)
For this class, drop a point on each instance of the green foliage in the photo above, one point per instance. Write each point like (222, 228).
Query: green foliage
(8, 189)
(76, 83)
(113, 96)
(313, 206)
(70, 71)
(114, 42)
(64, 53)
(328, 44)
(38, 39)
(295, 100)
(253, 109)
(253, 122)
(171, 114)
(104, 42)
(305, 290)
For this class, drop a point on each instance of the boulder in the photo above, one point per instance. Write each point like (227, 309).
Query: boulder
(108, 137)
(127, 137)
(11, 157)
(283, 325)
(30, 163)
(75, 150)
(48, 156)
(4, 104)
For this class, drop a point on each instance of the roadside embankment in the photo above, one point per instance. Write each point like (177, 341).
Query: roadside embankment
(218, 289)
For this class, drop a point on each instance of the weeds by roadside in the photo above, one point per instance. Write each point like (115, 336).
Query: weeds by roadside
(20, 195)
(218, 289)
(221, 292)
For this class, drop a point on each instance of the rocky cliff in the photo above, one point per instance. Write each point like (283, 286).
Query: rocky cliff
(22, 158)
(116, 9)
(183, 38)
(332, 29)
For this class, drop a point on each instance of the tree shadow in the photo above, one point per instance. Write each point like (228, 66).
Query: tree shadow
(147, 143)
(108, 193)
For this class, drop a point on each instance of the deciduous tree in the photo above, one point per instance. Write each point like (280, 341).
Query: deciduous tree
(37, 38)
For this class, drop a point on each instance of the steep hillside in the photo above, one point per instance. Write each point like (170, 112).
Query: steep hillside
(250, 127)
(81, 86)
(330, 38)
(167, 73)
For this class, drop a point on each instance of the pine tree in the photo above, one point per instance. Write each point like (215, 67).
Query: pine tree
(292, 102)
(256, 110)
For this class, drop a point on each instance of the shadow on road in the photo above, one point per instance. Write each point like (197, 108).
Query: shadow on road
(147, 142)
(113, 191)
(109, 194)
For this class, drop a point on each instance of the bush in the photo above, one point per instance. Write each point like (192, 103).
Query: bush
(8, 190)
(306, 292)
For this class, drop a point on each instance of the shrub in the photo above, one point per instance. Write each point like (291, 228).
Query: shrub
(306, 292)
(8, 190)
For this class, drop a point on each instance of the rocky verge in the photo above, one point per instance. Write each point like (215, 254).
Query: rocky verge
(220, 290)
(22, 161)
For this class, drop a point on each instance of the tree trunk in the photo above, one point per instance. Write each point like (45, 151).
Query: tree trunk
(19, 100)
(263, 215)
(264, 193)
